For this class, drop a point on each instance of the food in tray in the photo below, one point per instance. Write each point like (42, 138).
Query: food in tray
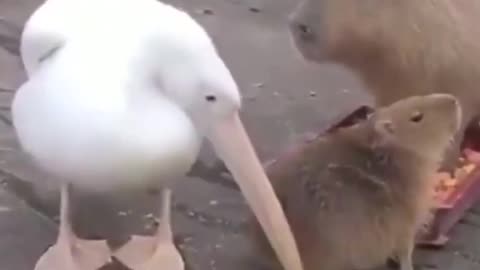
(447, 184)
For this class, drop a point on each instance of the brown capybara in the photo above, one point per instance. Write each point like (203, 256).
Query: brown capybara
(358, 196)
(398, 48)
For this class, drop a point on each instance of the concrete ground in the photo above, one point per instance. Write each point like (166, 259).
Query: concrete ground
(284, 97)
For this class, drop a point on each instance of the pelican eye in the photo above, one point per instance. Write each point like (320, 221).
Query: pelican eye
(210, 98)
(416, 117)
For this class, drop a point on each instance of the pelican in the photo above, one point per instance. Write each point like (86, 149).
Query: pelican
(121, 93)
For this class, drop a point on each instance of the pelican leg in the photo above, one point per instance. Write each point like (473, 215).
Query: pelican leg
(71, 252)
(157, 251)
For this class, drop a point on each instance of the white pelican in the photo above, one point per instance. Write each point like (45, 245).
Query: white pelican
(120, 94)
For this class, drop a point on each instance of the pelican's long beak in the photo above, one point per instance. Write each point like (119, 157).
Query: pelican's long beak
(233, 145)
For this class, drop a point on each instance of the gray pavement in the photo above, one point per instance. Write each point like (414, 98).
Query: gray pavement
(284, 98)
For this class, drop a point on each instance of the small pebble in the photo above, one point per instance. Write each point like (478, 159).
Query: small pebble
(313, 93)
(259, 85)
(213, 202)
(122, 213)
(202, 219)
(206, 11)
(254, 9)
